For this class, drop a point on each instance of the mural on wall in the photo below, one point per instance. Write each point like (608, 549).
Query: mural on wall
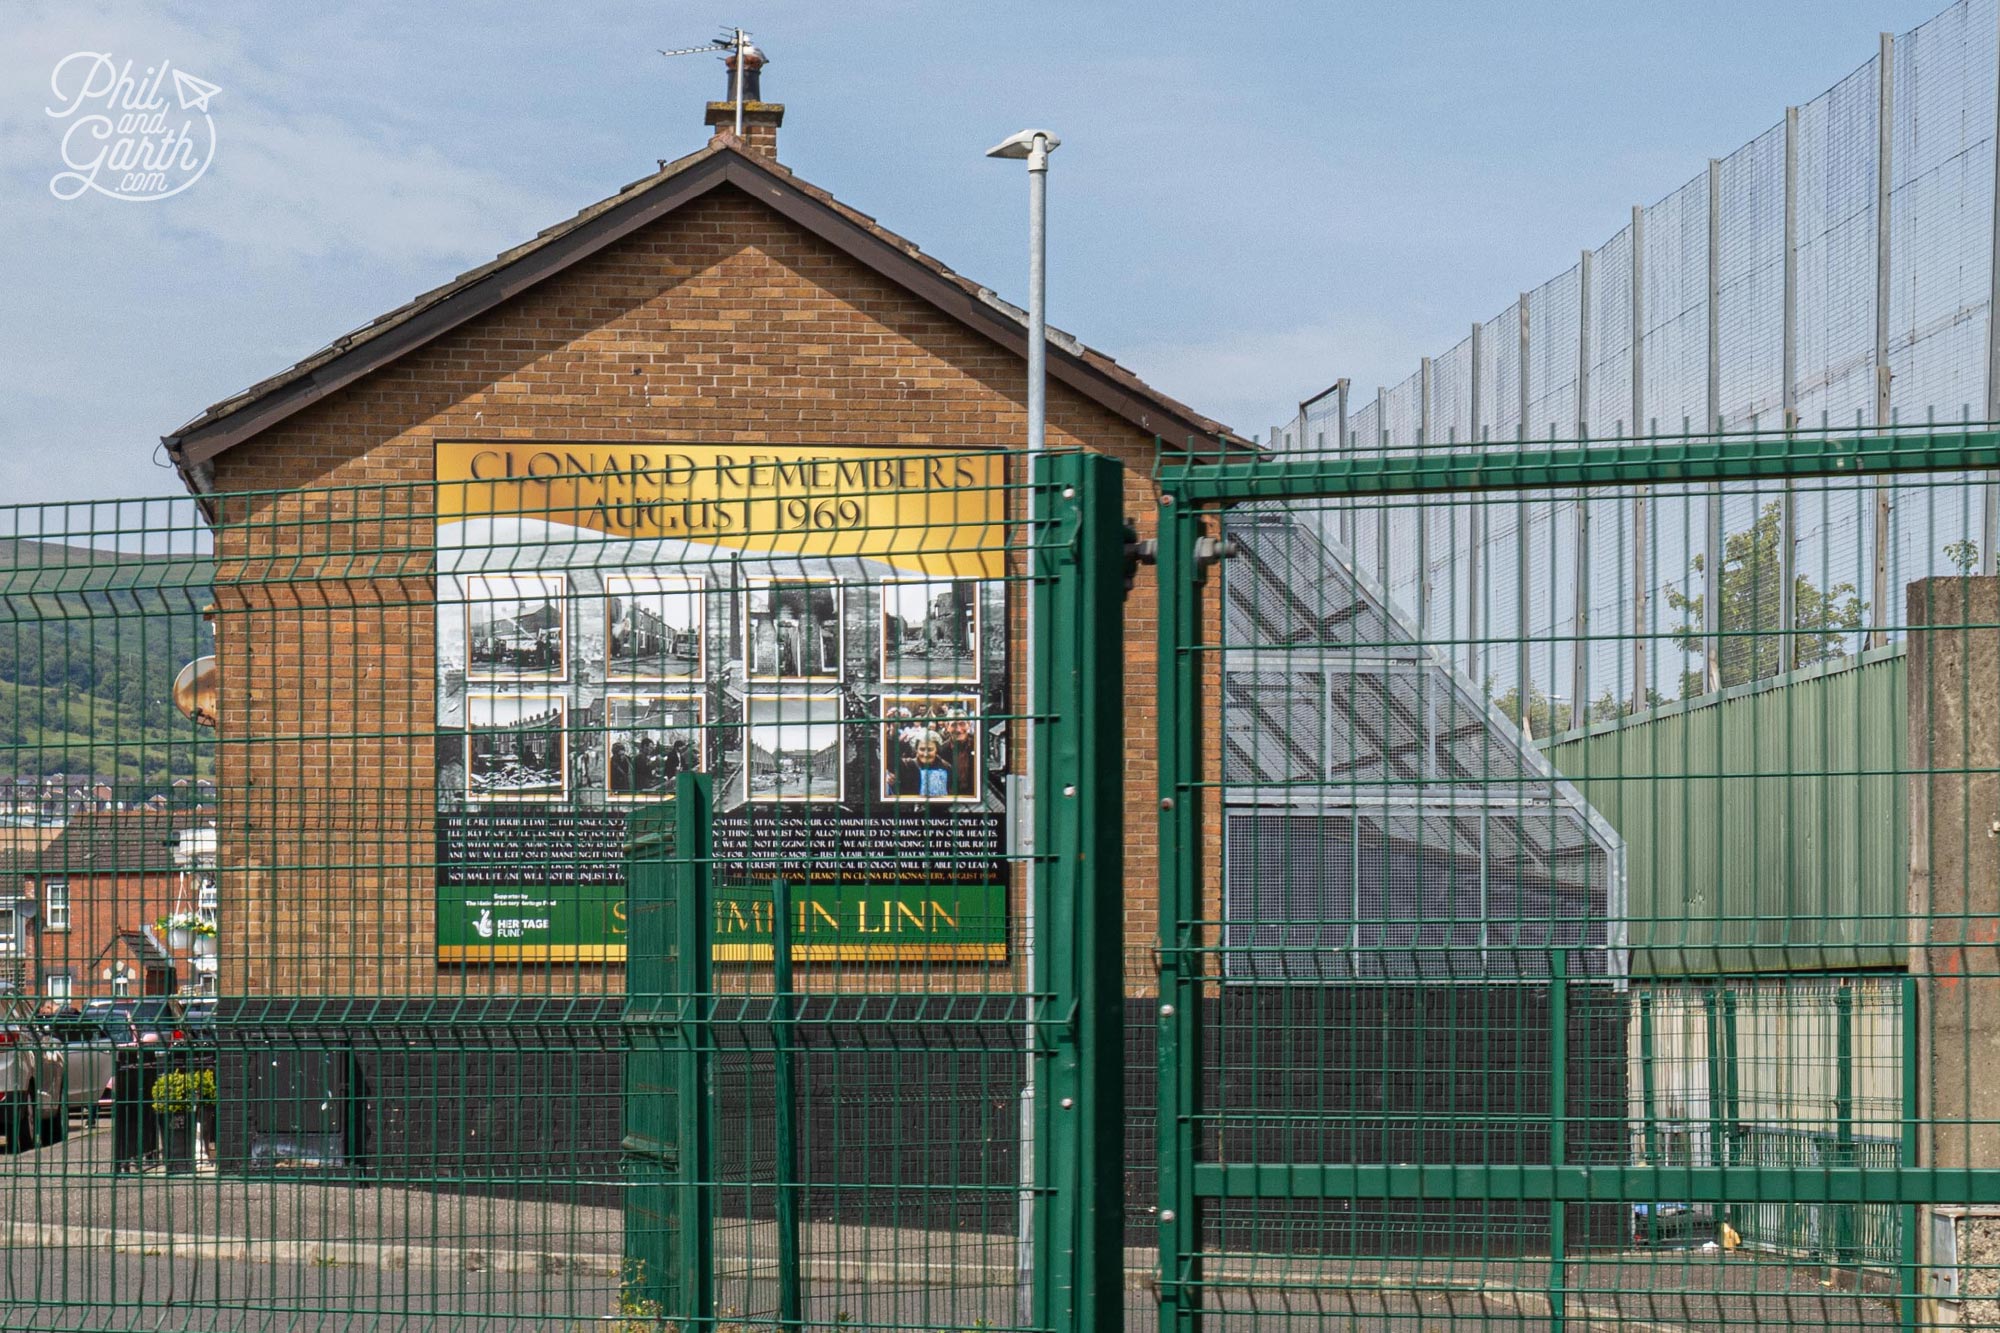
(821, 631)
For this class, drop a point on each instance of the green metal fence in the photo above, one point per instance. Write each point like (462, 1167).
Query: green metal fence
(597, 893)
(1511, 922)
(715, 894)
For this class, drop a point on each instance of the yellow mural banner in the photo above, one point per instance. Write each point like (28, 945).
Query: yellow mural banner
(932, 511)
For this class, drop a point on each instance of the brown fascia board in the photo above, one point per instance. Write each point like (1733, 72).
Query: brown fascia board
(195, 449)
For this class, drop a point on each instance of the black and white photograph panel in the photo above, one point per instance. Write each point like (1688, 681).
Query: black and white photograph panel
(516, 627)
(792, 631)
(515, 747)
(654, 739)
(792, 748)
(930, 631)
(930, 748)
(653, 628)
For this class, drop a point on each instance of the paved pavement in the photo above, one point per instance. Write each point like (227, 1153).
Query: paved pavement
(94, 1249)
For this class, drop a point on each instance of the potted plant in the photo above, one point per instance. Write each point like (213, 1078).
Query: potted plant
(180, 1098)
(180, 928)
(202, 937)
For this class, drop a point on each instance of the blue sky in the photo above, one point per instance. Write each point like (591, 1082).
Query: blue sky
(1251, 199)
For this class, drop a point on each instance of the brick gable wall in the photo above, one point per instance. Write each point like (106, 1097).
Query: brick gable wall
(722, 323)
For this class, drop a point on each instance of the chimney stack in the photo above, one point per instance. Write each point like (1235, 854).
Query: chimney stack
(761, 119)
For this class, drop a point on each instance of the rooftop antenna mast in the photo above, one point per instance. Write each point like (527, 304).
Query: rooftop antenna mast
(737, 41)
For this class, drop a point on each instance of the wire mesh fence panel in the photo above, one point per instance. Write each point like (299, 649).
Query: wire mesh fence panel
(323, 1004)
(1514, 1008)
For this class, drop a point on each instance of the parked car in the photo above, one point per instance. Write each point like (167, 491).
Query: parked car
(32, 1109)
(89, 1057)
(142, 1020)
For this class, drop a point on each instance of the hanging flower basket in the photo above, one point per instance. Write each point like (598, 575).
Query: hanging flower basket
(204, 946)
(185, 930)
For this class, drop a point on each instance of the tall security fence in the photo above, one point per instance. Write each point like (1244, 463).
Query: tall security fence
(1669, 1017)
(1836, 271)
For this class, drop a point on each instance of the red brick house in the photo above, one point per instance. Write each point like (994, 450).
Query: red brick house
(78, 923)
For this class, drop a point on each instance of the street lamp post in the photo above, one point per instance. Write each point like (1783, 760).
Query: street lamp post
(1033, 147)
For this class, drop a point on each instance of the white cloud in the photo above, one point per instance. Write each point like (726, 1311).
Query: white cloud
(290, 179)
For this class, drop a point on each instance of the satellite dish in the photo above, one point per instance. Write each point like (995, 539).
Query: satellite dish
(27, 909)
(198, 691)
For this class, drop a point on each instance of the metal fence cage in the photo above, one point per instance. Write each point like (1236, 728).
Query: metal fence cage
(1382, 819)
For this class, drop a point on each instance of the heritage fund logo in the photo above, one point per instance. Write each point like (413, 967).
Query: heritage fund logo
(131, 135)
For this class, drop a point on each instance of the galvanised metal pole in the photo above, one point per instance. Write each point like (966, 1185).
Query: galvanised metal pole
(1523, 604)
(1475, 590)
(1788, 540)
(1712, 582)
(1579, 691)
(1884, 140)
(1342, 444)
(1989, 527)
(1034, 147)
(1424, 628)
(1641, 495)
(1382, 514)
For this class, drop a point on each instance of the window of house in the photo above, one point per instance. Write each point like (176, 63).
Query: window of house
(10, 940)
(55, 905)
(121, 982)
(58, 985)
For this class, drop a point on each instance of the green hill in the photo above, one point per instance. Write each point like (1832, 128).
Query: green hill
(90, 642)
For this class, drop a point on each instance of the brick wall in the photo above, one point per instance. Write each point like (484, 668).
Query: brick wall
(721, 323)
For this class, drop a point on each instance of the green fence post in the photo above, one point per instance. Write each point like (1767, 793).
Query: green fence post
(669, 1209)
(1732, 1099)
(1907, 1149)
(651, 1160)
(1711, 1004)
(784, 1011)
(1079, 566)
(1179, 1052)
(1843, 1115)
(1650, 1128)
(1558, 1138)
(695, 1054)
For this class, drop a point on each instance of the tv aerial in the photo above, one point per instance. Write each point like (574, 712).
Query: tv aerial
(733, 40)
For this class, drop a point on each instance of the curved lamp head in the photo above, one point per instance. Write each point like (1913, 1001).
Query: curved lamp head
(1022, 145)
(197, 691)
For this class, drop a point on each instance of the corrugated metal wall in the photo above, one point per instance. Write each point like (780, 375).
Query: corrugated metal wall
(1765, 829)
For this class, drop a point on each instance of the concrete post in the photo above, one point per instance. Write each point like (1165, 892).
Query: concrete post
(1954, 920)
